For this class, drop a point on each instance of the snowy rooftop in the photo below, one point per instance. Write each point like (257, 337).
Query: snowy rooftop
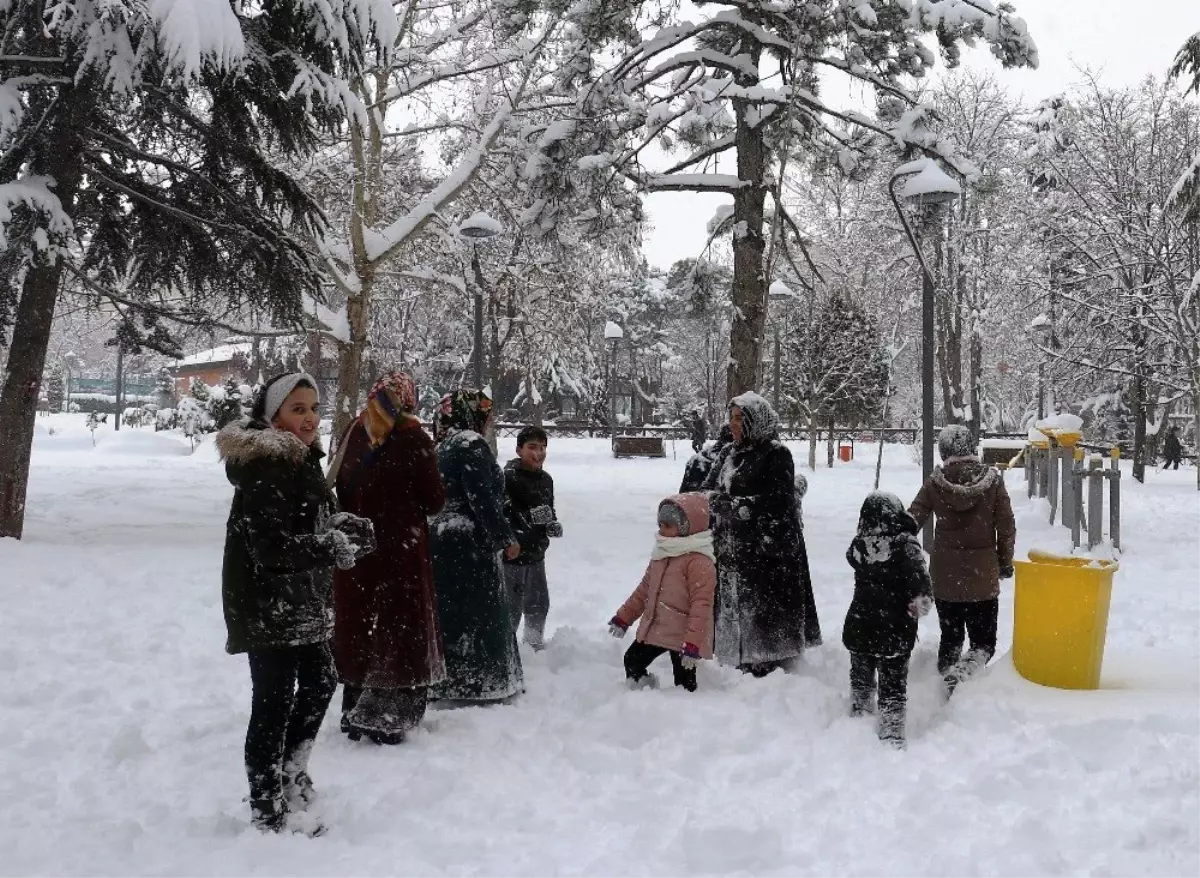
(220, 354)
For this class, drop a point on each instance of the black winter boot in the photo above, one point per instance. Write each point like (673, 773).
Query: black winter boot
(268, 815)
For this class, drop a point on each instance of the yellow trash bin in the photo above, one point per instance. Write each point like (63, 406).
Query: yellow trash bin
(1060, 619)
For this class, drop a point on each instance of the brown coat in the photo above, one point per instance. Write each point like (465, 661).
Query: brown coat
(674, 600)
(386, 633)
(975, 532)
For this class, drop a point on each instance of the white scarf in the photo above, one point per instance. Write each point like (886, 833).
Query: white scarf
(673, 547)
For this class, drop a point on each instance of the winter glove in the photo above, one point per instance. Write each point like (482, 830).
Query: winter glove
(919, 607)
(617, 628)
(689, 655)
(721, 506)
(359, 531)
(541, 514)
(1007, 571)
(345, 553)
(554, 530)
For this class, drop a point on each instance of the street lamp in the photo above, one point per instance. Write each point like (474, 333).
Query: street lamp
(612, 335)
(924, 183)
(778, 292)
(477, 227)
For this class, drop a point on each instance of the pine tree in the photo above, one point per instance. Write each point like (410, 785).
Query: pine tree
(228, 406)
(139, 160)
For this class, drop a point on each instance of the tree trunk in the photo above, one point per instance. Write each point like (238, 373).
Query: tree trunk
(749, 246)
(18, 400)
(58, 156)
(350, 356)
(829, 453)
(1139, 425)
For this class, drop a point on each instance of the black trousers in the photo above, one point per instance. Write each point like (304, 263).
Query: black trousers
(292, 689)
(887, 676)
(1171, 461)
(962, 618)
(640, 655)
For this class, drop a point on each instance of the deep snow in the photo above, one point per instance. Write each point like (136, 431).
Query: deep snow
(123, 719)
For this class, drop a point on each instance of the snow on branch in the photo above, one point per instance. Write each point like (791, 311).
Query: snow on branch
(382, 244)
(695, 183)
(34, 192)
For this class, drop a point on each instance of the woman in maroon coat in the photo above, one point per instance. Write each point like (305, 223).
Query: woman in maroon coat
(386, 638)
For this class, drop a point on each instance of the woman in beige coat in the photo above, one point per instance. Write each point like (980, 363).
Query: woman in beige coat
(674, 600)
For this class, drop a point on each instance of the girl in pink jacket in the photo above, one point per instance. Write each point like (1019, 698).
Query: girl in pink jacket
(674, 600)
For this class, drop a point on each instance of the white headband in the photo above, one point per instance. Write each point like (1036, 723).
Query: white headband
(278, 392)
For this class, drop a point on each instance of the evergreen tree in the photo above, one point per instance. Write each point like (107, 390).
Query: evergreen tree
(837, 368)
(142, 159)
(56, 392)
(228, 406)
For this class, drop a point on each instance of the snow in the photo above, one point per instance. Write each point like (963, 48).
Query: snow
(220, 354)
(696, 182)
(1064, 423)
(480, 225)
(193, 32)
(612, 331)
(927, 179)
(779, 288)
(123, 718)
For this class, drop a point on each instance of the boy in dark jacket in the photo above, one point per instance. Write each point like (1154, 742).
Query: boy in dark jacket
(529, 506)
(891, 591)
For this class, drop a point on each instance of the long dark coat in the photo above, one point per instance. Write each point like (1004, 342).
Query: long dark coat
(889, 574)
(276, 576)
(386, 633)
(759, 545)
(482, 661)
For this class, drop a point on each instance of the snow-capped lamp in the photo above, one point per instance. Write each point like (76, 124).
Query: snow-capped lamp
(923, 182)
(613, 332)
(780, 290)
(927, 183)
(480, 225)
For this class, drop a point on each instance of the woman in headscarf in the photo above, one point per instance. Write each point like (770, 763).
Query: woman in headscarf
(482, 661)
(761, 561)
(386, 638)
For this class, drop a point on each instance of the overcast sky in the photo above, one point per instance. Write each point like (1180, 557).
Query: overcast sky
(1123, 40)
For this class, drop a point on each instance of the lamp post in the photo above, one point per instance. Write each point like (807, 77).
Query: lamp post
(477, 227)
(612, 336)
(778, 292)
(924, 183)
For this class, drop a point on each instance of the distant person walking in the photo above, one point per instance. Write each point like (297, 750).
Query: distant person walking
(699, 431)
(1172, 449)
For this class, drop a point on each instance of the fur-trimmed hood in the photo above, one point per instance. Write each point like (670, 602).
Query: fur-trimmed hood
(245, 441)
(964, 481)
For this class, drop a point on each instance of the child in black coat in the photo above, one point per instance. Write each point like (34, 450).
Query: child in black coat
(892, 590)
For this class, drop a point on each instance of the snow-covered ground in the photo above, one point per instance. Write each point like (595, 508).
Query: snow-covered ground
(122, 720)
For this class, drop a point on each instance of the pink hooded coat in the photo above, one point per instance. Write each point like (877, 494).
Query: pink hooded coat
(674, 600)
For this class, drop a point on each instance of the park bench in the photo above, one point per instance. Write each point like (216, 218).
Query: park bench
(638, 446)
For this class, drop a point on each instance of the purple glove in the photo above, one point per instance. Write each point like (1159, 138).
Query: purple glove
(690, 655)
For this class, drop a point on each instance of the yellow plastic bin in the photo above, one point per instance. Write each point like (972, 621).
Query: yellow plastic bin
(1060, 619)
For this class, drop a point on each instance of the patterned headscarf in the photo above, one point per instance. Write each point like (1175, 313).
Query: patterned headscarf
(393, 396)
(759, 420)
(464, 410)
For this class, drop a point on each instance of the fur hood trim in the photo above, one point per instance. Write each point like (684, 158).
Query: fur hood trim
(968, 481)
(246, 440)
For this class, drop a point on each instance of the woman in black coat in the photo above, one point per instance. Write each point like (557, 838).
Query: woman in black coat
(760, 574)
(282, 541)
(892, 590)
(483, 663)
